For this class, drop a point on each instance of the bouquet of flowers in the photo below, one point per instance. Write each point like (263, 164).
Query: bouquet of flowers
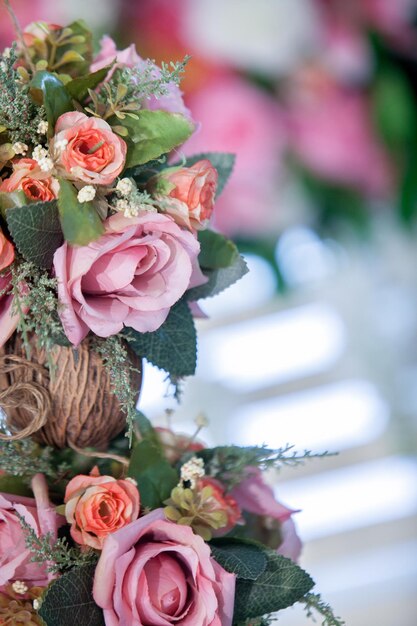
(104, 251)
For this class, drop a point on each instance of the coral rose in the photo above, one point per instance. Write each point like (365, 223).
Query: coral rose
(15, 558)
(221, 501)
(178, 581)
(130, 277)
(28, 177)
(87, 149)
(96, 506)
(6, 252)
(191, 193)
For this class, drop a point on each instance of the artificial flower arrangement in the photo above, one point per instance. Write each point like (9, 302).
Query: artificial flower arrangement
(104, 251)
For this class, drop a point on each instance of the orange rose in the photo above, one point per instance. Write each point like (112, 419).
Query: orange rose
(221, 501)
(191, 193)
(87, 148)
(96, 506)
(6, 252)
(28, 177)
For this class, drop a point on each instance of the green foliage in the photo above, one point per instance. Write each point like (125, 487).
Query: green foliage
(315, 604)
(219, 280)
(154, 475)
(79, 87)
(246, 559)
(394, 108)
(25, 458)
(36, 231)
(115, 358)
(47, 90)
(18, 113)
(230, 463)
(11, 200)
(281, 584)
(154, 133)
(216, 250)
(69, 600)
(80, 222)
(173, 347)
(223, 162)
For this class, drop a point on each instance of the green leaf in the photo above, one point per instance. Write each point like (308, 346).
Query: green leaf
(145, 427)
(48, 90)
(281, 585)
(224, 163)
(69, 600)
(154, 475)
(78, 87)
(16, 485)
(83, 46)
(219, 280)
(173, 347)
(394, 107)
(153, 134)
(9, 200)
(36, 231)
(80, 222)
(216, 250)
(246, 559)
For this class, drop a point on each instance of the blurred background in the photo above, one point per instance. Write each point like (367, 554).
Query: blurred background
(317, 345)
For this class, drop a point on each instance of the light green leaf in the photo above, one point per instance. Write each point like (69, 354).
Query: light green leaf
(281, 585)
(48, 90)
(36, 231)
(216, 250)
(69, 600)
(153, 134)
(80, 222)
(219, 280)
(223, 162)
(173, 347)
(11, 200)
(244, 558)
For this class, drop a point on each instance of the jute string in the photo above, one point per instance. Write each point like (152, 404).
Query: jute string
(31, 397)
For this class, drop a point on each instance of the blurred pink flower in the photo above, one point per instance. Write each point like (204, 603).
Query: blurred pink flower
(8, 319)
(239, 118)
(253, 495)
(330, 132)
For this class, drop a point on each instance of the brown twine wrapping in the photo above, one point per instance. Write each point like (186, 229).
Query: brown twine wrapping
(32, 398)
(75, 407)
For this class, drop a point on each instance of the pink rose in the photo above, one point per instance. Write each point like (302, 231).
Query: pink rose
(254, 496)
(28, 177)
(172, 101)
(157, 572)
(130, 277)
(8, 319)
(190, 201)
(87, 149)
(15, 558)
(98, 505)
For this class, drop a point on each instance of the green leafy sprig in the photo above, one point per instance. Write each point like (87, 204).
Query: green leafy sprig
(313, 603)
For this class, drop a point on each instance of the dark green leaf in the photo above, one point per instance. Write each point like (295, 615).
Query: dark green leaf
(246, 559)
(80, 222)
(281, 584)
(219, 280)
(223, 162)
(15, 485)
(216, 250)
(173, 347)
(153, 134)
(69, 600)
(49, 90)
(154, 475)
(78, 87)
(36, 231)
